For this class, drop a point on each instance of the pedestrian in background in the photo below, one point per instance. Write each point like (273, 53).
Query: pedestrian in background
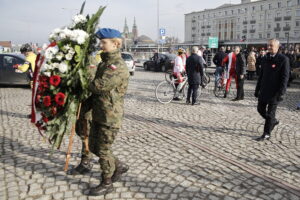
(259, 59)
(251, 61)
(194, 70)
(217, 60)
(271, 86)
(229, 62)
(240, 70)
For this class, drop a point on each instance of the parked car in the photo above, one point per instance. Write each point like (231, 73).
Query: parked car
(160, 62)
(7, 72)
(127, 57)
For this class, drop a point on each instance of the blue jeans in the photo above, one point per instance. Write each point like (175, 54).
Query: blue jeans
(218, 74)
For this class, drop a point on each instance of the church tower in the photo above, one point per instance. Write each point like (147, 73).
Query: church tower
(134, 31)
(126, 29)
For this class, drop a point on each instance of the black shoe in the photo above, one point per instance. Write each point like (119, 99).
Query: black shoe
(176, 99)
(83, 168)
(101, 189)
(225, 94)
(121, 168)
(236, 99)
(263, 137)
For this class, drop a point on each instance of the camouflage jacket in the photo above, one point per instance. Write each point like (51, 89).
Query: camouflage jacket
(108, 90)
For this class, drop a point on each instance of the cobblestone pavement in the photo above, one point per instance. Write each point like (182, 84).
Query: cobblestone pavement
(175, 151)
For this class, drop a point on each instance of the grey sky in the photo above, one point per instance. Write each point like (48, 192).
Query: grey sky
(32, 20)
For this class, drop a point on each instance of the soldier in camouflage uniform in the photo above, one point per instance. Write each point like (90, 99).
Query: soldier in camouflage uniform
(108, 90)
(83, 125)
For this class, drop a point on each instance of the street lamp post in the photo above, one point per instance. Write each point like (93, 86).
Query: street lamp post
(158, 35)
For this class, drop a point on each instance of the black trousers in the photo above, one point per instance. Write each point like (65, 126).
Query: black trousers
(268, 112)
(240, 88)
(193, 90)
(251, 75)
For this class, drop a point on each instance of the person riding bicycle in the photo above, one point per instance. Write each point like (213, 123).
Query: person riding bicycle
(29, 64)
(178, 69)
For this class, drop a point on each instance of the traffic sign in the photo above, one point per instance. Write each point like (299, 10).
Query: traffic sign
(213, 42)
(162, 32)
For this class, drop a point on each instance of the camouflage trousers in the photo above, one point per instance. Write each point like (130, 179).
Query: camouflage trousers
(83, 125)
(101, 139)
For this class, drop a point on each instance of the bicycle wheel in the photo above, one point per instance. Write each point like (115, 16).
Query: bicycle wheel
(164, 92)
(219, 89)
(169, 75)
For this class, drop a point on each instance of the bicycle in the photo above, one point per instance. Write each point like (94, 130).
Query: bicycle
(220, 87)
(166, 90)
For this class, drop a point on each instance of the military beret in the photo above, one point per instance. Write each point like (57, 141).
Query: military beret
(104, 33)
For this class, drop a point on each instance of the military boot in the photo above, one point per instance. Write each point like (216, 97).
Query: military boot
(103, 188)
(121, 168)
(84, 167)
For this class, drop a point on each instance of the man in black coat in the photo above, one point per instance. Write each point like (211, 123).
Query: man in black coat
(240, 70)
(271, 86)
(194, 70)
(217, 60)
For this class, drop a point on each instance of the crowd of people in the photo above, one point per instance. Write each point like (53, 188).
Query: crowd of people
(271, 67)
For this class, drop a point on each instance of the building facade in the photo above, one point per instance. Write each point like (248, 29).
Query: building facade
(251, 22)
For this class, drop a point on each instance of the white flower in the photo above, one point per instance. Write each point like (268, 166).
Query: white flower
(45, 67)
(47, 74)
(71, 51)
(79, 36)
(55, 65)
(69, 56)
(59, 56)
(78, 19)
(63, 67)
(51, 51)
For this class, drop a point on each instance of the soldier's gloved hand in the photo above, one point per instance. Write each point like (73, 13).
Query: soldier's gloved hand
(256, 94)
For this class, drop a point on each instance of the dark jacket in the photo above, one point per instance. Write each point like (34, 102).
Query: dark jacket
(272, 82)
(218, 58)
(194, 69)
(240, 67)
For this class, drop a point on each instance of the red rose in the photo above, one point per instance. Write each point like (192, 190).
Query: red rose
(45, 119)
(54, 80)
(47, 101)
(43, 78)
(60, 98)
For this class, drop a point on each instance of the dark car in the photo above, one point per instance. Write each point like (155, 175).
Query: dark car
(7, 72)
(160, 62)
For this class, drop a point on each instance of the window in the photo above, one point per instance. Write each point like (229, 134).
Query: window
(277, 35)
(225, 12)
(278, 14)
(262, 7)
(268, 35)
(278, 25)
(270, 6)
(9, 61)
(288, 13)
(297, 34)
(232, 12)
(252, 26)
(297, 13)
(298, 2)
(289, 3)
(287, 35)
(279, 4)
(297, 23)
(260, 26)
(253, 8)
(269, 26)
(260, 36)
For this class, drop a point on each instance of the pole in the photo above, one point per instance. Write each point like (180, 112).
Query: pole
(288, 40)
(68, 156)
(158, 35)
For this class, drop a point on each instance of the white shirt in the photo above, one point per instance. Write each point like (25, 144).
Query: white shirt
(178, 66)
